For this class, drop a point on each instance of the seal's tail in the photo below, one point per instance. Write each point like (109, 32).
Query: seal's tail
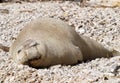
(4, 48)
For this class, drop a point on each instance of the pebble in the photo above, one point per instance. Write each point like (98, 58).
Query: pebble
(101, 24)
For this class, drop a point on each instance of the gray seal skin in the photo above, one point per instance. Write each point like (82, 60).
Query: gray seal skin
(48, 41)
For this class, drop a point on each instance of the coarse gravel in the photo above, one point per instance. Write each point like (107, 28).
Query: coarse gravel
(100, 24)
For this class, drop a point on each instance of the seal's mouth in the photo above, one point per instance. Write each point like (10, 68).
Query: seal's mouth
(28, 62)
(36, 58)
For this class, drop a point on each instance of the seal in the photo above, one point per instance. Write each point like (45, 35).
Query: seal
(47, 41)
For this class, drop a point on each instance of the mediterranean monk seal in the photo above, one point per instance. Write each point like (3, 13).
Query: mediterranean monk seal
(47, 41)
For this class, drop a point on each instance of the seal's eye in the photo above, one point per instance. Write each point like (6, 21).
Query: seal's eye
(19, 51)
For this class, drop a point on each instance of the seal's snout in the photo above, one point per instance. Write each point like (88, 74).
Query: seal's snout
(29, 52)
(26, 55)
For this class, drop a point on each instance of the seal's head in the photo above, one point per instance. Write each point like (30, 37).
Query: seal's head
(30, 53)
